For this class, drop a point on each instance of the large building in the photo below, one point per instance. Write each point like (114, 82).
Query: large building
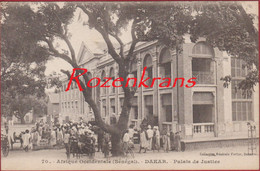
(205, 110)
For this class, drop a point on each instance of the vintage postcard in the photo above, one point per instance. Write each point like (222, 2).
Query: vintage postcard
(169, 85)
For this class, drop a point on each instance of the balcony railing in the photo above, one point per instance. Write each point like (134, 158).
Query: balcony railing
(203, 77)
(201, 128)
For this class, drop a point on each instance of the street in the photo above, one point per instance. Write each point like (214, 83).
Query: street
(225, 158)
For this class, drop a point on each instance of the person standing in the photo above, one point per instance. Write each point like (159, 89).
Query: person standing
(40, 130)
(66, 142)
(172, 140)
(35, 138)
(106, 142)
(177, 139)
(131, 132)
(6, 127)
(166, 141)
(59, 136)
(126, 140)
(156, 139)
(143, 140)
(150, 137)
(100, 139)
(53, 137)
(26, 140)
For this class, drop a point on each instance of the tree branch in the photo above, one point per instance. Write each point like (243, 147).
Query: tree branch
(88, 98)
(134, 40)
(65, 38)
(58, 54)
(121, 53)
(104, 33)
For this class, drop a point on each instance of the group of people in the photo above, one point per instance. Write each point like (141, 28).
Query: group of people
(153, 139)
(82, 137)
(42, 134)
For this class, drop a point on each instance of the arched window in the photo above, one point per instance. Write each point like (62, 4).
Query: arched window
(165, 63)
(133, 73)
(202, 63)
(103, 89)
(201, 48)
(112, 75)
(149, 71)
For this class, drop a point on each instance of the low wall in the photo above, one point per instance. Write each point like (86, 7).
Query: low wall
(192, 145)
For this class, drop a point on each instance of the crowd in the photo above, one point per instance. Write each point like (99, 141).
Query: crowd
(42, 134)
(81, 137)
(153, 139)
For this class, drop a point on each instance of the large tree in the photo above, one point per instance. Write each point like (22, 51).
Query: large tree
(163, 22)
(22, 61)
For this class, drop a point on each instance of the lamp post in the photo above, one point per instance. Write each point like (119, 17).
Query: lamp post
(251, 138)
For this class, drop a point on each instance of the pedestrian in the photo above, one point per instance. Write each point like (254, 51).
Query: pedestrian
(126, 140)
(40, 130)
(172, 140)
(156, 139)
(26, 140)
(48, 135)
(131, 132)
(53, 139)
(43, 133)
(105, 147)
(59, 136)
(143, 140)
(66, 143)
(166, 141)
(150, 137)
(100, 139)
(21, 138)
(6, 127)
(35, 138)
(177, 139)
(92, 141)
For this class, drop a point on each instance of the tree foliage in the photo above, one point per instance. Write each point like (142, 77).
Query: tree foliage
(224, 25)
(21, 105)
(22, 59)
(228, 27)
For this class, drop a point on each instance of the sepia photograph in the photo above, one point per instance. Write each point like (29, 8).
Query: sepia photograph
(95, 85)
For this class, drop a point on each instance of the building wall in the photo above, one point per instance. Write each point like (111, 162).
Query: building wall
(182, 98)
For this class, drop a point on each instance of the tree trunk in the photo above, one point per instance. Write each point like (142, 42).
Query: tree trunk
(116, 144)
(22, 120)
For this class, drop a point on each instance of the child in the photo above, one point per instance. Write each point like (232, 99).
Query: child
(177, 139)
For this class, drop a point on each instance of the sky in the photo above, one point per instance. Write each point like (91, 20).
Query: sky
(80, 33)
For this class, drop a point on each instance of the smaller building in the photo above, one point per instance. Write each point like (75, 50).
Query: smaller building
(53, 107)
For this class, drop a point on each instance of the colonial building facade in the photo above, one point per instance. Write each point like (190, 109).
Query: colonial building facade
(205, 110)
